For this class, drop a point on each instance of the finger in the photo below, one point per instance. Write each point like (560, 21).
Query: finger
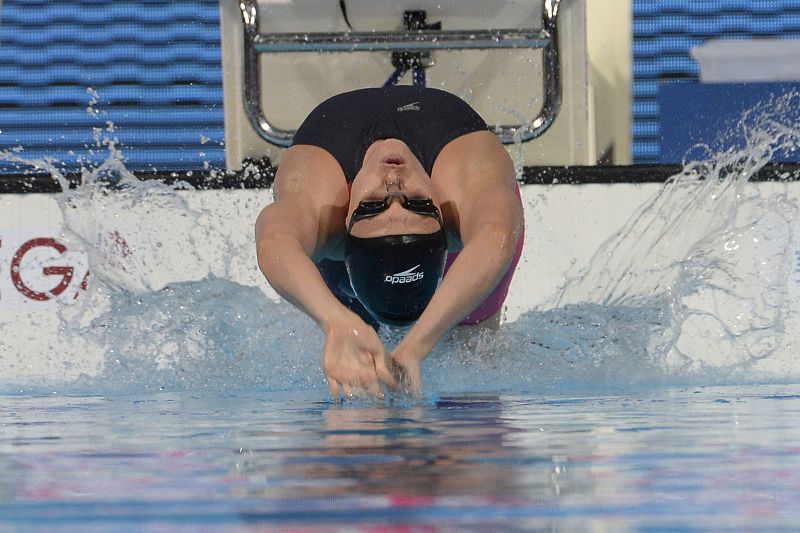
(398, 372)
(376, 391)
(370, 385)
(386, 376)
(361, 393)
(348, 390)
(413, 384)
(408, 379)
(333, 386)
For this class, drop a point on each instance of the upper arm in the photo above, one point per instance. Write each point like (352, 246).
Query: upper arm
(475, 181)
(310, 198)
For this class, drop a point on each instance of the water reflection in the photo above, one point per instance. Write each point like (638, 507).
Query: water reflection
(464, 446)
(669, 459)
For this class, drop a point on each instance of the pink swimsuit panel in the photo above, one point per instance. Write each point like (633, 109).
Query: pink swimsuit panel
(494, 302)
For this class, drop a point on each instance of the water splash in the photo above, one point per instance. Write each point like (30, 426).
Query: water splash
(211, 335)
(694, 289)
(712, 250)
(156, 303)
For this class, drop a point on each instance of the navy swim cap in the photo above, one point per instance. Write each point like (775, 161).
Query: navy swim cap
(395, 276)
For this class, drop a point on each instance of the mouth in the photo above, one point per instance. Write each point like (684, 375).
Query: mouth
(393, 160)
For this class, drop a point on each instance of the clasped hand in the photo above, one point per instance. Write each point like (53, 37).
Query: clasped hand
(355, 362)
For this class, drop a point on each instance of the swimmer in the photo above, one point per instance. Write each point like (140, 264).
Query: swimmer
(394, 206)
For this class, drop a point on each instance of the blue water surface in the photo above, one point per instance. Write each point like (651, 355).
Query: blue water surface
(668, 459)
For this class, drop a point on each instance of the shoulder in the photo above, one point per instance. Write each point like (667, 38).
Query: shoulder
(310, 183)
(473, 161)
(309, 170)
(474, 179)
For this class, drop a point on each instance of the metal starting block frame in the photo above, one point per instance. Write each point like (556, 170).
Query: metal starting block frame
(546, 38)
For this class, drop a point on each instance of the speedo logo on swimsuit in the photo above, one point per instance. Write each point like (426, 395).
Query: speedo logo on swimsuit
(407, 276)
(413, 106)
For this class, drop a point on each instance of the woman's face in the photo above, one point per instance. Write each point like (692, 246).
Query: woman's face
(389, 165)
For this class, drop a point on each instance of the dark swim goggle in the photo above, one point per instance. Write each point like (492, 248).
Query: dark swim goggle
(371, 208)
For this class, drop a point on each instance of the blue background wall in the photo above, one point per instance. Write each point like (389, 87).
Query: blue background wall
(154, 64)
(664, 31)
(156, 68)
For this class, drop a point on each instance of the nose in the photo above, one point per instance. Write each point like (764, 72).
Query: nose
(393, 184)
(395, 195)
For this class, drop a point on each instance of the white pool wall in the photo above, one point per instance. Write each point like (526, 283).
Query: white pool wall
(565, 226)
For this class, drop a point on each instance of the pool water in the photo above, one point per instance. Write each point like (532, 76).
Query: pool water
(656, 391)
(677, 458)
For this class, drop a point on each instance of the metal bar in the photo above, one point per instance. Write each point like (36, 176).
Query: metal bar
(551, 72)
(252, 80)
(547, 39)
(411, 41)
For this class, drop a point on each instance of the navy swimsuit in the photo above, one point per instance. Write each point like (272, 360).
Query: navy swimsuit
(347, 124)
(425, 119)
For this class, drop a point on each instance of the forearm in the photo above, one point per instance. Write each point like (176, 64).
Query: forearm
(291, 272)
(471, 278)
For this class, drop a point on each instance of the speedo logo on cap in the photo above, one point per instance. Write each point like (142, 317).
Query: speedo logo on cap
(407, 276)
